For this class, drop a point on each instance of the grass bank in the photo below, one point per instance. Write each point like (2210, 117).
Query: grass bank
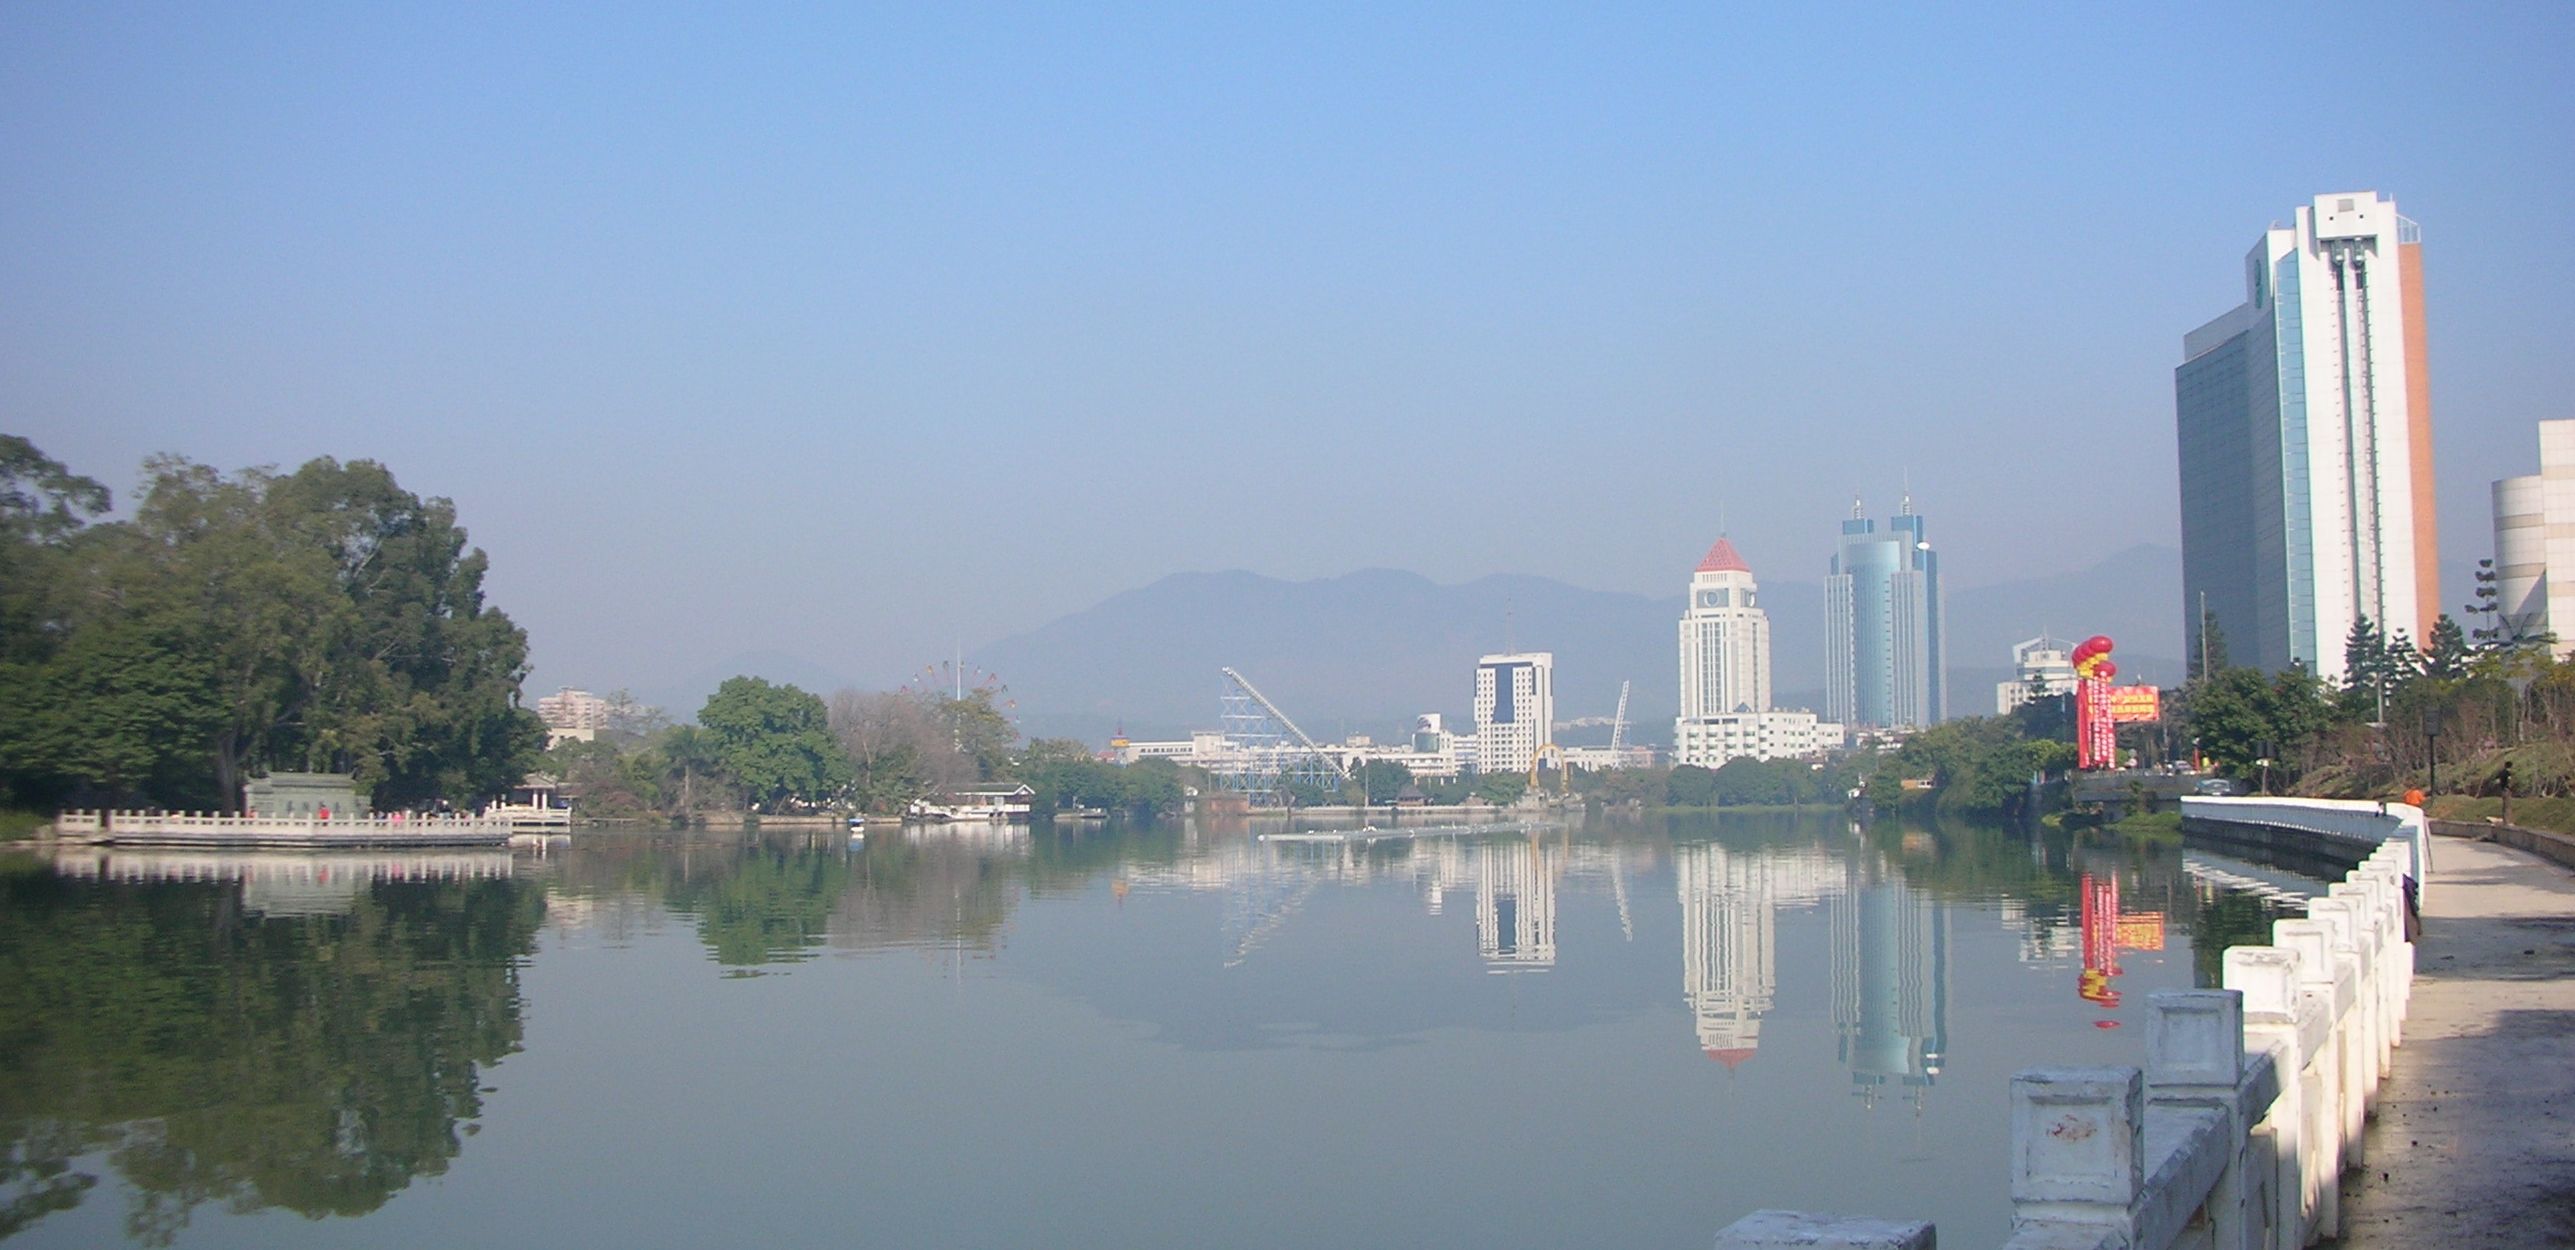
(18, 824)
(2555, 815)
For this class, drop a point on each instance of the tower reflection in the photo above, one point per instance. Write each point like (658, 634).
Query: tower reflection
(1890, 983)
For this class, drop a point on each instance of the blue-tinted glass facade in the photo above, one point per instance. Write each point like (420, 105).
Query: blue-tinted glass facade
(1883, 620)
(2240, 427)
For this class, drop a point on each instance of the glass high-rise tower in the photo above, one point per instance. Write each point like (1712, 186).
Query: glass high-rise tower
(2304, 418)
(1884, 654)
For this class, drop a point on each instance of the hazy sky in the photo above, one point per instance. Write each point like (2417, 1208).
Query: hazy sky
(855, 333)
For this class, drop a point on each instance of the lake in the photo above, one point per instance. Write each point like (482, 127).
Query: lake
(1628, 1032)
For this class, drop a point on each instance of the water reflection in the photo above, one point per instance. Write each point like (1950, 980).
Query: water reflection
(308, 1033)
(304, 1032)
(1890, 984)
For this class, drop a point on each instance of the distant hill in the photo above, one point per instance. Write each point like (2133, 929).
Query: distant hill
(1366, 651)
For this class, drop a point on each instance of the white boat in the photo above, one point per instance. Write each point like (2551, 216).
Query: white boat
(980, 804)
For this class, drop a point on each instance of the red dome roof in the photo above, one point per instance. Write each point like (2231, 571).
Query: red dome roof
(1723, 558)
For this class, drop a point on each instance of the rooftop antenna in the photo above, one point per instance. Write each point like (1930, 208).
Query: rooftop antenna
(1856, 511)
(1908, 490)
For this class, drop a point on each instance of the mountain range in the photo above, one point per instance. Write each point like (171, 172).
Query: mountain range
(1367, 651)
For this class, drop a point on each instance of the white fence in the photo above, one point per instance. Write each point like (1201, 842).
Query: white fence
(2352, 820)
(207, 829)
(2251, 1105)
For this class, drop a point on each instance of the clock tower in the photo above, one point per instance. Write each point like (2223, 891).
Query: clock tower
(1725, 639)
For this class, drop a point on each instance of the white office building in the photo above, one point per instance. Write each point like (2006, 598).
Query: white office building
(1725, 639)
(1725, 674)
(2041, 667)
(2304, 418)
(2535, 546)
(1515, 709)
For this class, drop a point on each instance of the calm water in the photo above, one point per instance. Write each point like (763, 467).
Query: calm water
(1625, 1034)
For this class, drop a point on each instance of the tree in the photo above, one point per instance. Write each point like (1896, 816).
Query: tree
(2497, 629)
(2449, 655)
(2240, 717)
(2365, 660)
(899, 745)
(1382, 780)
(1500, 789)
(686, 764)
(980, 731)
(323, 620)
(775, 740)
(2207, 647)
(1690, 786)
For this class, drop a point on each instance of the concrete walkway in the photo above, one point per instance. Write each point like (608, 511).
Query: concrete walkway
(2474, 1141)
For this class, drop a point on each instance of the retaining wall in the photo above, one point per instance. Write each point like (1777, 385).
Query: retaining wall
(2251, 1105)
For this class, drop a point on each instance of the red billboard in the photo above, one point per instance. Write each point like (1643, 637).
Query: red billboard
(2135, 705)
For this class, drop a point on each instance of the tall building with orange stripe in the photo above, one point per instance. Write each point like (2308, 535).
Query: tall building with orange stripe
(2304, 422)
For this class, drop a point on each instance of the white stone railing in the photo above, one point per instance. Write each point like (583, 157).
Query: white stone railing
(190, 828)
(2249, 1110)
(2352, 820)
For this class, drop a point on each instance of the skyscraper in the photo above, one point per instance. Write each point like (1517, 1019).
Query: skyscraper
(1515, 709)
(1884, 657)
(2305, 425)
(1725, 639)
(1725, 674)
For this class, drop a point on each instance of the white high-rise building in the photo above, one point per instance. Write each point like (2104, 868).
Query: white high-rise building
(1515, 709)
(1725, 639)
(1725, 674)
(2535, 546)
(2304, 418)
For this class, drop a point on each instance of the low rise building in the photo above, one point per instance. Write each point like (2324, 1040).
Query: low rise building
(1710, 741)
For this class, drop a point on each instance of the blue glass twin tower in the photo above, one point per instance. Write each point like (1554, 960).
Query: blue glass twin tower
(1884, 651)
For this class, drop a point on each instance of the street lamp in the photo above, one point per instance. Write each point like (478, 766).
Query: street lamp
(2432, 748)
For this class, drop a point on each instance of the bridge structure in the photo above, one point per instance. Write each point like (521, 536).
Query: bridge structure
(1271, 756)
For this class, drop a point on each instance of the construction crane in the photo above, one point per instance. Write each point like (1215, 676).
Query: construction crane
(1618, 725)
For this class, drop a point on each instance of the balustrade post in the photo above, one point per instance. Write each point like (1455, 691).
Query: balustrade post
(2356, 1053)
(2320, 1082)
(2078, 1146)
(2195, 1060)
(2369, 912)
(2267, 976)
(1797, 1230)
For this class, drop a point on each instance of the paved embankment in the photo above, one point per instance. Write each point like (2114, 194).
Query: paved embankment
(2474, 1142)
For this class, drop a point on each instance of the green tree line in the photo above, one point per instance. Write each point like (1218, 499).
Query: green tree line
(765, 747)
(319, 620)
(2478, 710)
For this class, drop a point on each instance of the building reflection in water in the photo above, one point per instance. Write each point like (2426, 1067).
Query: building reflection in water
(1515, 905)
(1890, 983)
(1730, 902)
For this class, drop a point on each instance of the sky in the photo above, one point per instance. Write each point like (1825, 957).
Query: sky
(861, 333)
